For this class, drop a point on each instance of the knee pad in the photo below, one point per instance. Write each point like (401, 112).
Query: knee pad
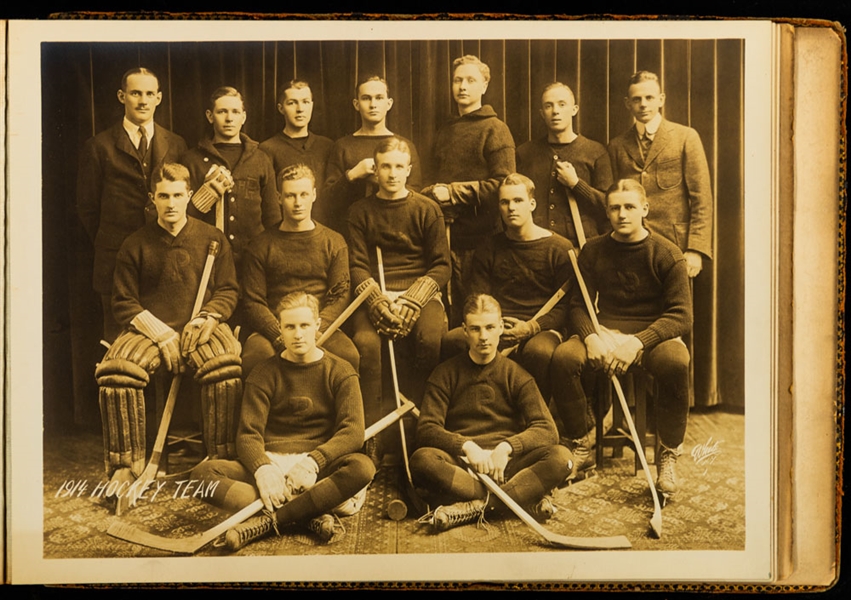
(129, 362)
(219, 371)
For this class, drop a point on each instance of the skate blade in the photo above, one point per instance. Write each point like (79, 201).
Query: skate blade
(588, 473)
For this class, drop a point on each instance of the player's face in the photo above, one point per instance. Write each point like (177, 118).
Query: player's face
(644, 100)
(227, 118)
(297, 107)
(482, 331)
(141, 98)
(392, 169)
(298, 330)
(170, 199)
(626, 211)
(515, 205)
(468, 86)
(298, 196)
(557, 108)
(373, 102)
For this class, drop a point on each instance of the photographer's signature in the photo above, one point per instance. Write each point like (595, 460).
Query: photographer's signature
(705, 454)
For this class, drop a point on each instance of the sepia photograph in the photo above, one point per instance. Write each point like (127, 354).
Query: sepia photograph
(392, 301)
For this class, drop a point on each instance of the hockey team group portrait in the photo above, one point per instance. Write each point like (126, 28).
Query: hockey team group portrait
(393, 297)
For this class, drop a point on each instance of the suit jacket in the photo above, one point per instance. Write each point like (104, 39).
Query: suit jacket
(675, 176)
(112, 192)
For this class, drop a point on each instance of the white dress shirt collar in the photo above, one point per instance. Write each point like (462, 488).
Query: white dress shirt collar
(133, 131)
(652, 127)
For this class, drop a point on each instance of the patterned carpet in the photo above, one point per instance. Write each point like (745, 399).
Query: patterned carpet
(708, 514)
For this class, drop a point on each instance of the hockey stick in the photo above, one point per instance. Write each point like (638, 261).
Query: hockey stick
(550, 304)
(350, 309)
(192, 544)
(574, 214)
(392, 353)
(150, 472)
(656, 520)
(556, 539)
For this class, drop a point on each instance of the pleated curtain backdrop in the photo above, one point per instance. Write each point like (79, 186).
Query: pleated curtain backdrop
(702, 80)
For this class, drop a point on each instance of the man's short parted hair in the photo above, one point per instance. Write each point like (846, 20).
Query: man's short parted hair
(138, 71)
(390, 144)
(295, 172)
(170, 172)
(559, 84)
(480, 303)
(221, 92)
(293, 84)
(369, 78)
(640, 76)
(299, 300)
(518, 179)
(470, 59)
(626, 185)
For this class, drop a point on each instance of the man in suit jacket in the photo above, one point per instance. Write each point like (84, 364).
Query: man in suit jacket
(669, 161)
(114, 179)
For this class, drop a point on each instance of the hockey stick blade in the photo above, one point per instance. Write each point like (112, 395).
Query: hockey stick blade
(190, 545)
(556, 539)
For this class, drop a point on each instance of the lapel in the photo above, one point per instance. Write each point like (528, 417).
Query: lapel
(123, 143)
(631, 145)
(659, 141)
(160, 146)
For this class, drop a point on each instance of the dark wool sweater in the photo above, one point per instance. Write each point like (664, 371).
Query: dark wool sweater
(411, 235)
(475, 147)
(277, 263)
(537, 160)
(312, 151)
(252, 204)
(489, 404)
(290, 408)
(339, 193)
(522, 276)
(643, 288)
(161, 273)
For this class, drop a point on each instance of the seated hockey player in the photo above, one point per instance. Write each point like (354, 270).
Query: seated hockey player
(641, 285)
(409, 230)
(299, 255)
(157, 276)
(523, 266)
(484, 407)
(299, 435)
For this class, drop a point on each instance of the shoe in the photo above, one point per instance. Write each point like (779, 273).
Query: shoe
(584, 457)
(544, 510)
(250, 530)
(666, 479)
(460, 513)
(327, 527)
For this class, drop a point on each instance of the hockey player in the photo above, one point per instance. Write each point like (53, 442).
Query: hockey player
(640, 281)
(246, 199)
(485, 408)
(350, 174)
(300, 429)
(157, 276)
(299, 255)
(409, 230)
(472, 153)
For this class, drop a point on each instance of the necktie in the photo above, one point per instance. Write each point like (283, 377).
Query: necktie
(143, 143)
(645, 143)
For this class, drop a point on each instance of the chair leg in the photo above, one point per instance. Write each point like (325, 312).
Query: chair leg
(640, 394)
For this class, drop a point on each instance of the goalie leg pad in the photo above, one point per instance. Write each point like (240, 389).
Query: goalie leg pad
(220, 404)
(123, 419)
